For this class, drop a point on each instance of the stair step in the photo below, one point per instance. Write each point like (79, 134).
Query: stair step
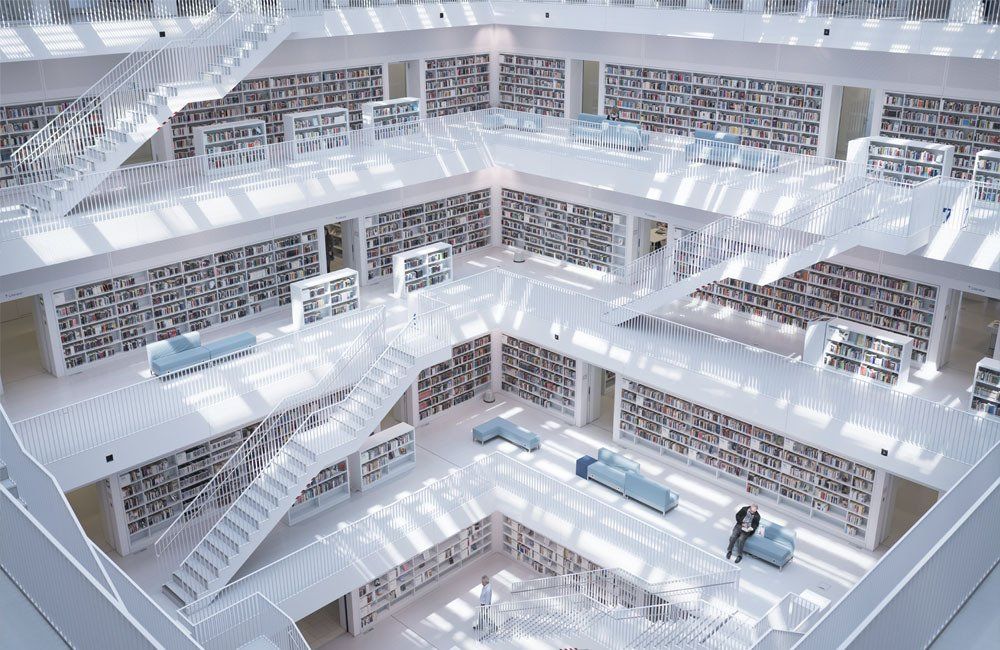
(191, 576)
(208, 548)
(260, 496)
(223, 541)
(184, 591)
(204, 564)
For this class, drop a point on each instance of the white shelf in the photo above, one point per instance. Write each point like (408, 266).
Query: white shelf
(233, 145)
(384, 456)
(19, 122)
(392, 117)
(317, 131)
(422, 267)
(986, 387)
(327, 489)
(987, 172)
(568, 232)
(858, 349)
(906, 161)
(543, 555)
(534, 84)
(780, 115)
(456, 84)
(454, 381)
(324, 296)
(539, 376)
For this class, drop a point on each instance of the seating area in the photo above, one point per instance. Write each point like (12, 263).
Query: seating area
(186, 350)
(622, 474)
(507, 430)
(719, 148)
(599, 130)
(775, 546)
(495, 122)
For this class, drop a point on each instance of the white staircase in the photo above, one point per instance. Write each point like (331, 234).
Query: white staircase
(67, 159)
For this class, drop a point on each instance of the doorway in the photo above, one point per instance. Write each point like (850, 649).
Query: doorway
(590, 88)
(404, 79)
(855, 112)
(334, 247)
(325, 624)
(908, 502)
(972, 334)
(22, 333)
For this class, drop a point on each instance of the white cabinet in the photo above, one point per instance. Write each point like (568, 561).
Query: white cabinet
(324, 296)
(905, 161)
(987, 176)
(421, 267)
(317, 131)
(859, 350)
(225, 148)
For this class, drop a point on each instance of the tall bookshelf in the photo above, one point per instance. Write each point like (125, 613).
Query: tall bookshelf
(824, 289)
(100, 319)
(324, 296)
(534, 84)
(422, 267)
(986, 387)
(566, 231)
(543, 555)
(987, 172)
(456, 84)
(969, 125)
(835, 492)
(452, 382)
(327, 489)
(374, 600)
(383, 456)
(902, 160)
(19, 122)
(232, 145)
(269, 98)
(392, 117)
(859, 350)
(773, 114)
(539, 376)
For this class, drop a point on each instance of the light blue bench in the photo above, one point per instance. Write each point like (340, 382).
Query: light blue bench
(719, 148)
(620, 473)
(503, 428)
(610, 469)
(776, 546)
(231, 345)
(496, 121)
(186, 350)
(650, 492)
(599, 130)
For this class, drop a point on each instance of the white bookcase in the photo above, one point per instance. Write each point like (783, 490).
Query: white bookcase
(986, 387)
(371, 602)
(324, 296)
(969, 125)
(269, 98)
(99, 319)
(534, 84)
(233, 145)
(987, 172)
(543, 555)
(834, 492)
(449, 383)
(456, 84)
(383, 456)
(780, 115)
(139, 503)
(907, 161)
(540, 376)
(317, 131)
(18, 122)
(883, 301)
(422, 267)
(566, 231)
(328, 488)
(859, 350)
(392, 117)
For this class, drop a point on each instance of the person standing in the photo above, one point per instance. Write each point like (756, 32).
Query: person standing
(485, 599)
(747, 520)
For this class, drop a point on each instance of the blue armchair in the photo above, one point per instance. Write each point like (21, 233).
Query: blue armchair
(776, 546)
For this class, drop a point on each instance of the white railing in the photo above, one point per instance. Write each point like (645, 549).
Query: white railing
(76, 428)
(793, 613)
(553, 617)
(255, 618)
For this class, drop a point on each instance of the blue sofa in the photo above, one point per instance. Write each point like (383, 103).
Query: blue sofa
(186, 350)
(776, 546)
(599, 130)
(610, 469)
(503, 428)
(618, 472)
(718, 148)
(496, 121)
(650, 492)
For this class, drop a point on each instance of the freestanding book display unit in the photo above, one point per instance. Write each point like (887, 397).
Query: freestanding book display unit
(907, 161)
(986, 387)
(421, 267)
(859, 350)
(987, 177)
(392, 117)
(324, 296)
(228, 147)
(315, 131)
(383, 456)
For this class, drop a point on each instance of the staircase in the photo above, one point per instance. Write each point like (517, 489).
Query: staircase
(324, 437)
(6, 481)
(67, 159)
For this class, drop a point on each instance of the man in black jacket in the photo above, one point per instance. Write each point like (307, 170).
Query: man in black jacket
(747, 520)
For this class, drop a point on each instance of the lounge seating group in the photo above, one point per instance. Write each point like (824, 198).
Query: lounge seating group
(599, 130)
(719, 148)
(503, 428)
(497, 121)
(620, 473)
(776, 546)
(186, 350)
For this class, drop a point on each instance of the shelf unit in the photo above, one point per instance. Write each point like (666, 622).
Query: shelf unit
(534, 84)
(270, 97)
(987, 172)
(539, 376)
(568, 232)
(392, 117)
(907, 161)
(986, 387)
(422, 267)
(19, 122)
(328, 488)
(324, 296)
(370, 602)
(383, 456)
(140, 502)
(857, 349)
(451, 382)
(780, 115)
(316, 131)
(462, 220)
(99, 319)
(969, 125)
(543, 555)
(824, 289)
(456, 84)
(240, 144)
(836, 492)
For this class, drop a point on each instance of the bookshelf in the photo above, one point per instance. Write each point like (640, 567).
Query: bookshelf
(835, 492)
(824, 289)
(773, 114)
(324, 296)
(462, 220)
(18, 122)
(317, 131)
(269, 98)
(231, 145)
(449, 383)
(986, 387)
(328, 488)
(100, 319)
(534, 84)
(139, 503)
(968, 125)
(392, 117)
(374, 600)
(422, 267)
(539, 376)
(383, 456)
(569, 232)
(906, 161)
(859, 350)
(987, 172)
(543, 555)
(456, 84)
